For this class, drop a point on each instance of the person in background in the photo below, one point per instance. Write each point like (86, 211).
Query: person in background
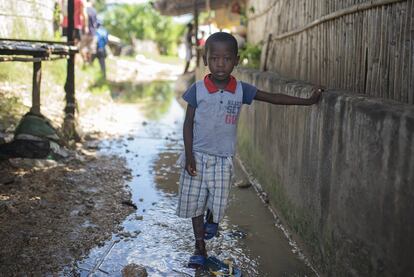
(188, 46)
(202, 40)
(80, 18)
(88, 40)
(101, 42)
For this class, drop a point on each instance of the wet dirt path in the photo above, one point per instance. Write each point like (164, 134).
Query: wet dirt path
(154, 236)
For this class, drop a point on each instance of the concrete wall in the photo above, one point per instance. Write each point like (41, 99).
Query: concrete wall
(26, 19)
(341, 173)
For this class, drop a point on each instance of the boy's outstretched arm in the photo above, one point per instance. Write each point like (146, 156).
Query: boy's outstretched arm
(283, 99)
(190, 164)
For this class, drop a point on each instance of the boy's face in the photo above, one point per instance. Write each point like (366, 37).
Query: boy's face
(220, 59)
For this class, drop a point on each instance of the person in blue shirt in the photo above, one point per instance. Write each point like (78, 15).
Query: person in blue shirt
(209, 131)
(101, 42)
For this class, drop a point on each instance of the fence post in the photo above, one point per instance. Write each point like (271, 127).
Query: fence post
(196, 32)
(69, 124)
(37, 78)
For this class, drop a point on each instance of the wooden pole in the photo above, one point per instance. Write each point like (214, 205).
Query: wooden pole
(266, 53)
(37, 78)
(69, 128)
(196, 31)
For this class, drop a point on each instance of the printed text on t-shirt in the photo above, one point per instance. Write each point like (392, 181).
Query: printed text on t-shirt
(232, 111)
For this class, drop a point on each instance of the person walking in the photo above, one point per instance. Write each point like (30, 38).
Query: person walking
(80, 18)
(88, 40)
(101, 42)
(188, 47)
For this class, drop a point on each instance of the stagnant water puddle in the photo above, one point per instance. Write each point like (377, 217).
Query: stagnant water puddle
(154, 236)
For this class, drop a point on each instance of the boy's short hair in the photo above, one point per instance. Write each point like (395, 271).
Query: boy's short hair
(222, 37)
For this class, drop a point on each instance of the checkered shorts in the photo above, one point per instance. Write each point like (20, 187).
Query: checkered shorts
(209, 189)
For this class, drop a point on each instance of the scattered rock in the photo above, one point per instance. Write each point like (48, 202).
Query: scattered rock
(11, 209)
(238, 234)
(91, 136)
(144, 123)
(55, 204)
(265, 197)
(92, 144)
(6, 180)
(134, 270)
(129, 203)
(242, 184)
(125, 234)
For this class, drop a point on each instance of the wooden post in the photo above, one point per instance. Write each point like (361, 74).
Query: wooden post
(266, 53)
(69, 127)
(196, 31)
(37, 78)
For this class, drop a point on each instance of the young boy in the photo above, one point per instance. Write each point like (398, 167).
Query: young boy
(210, 128)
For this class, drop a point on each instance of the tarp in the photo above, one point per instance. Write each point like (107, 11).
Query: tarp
(34, 138)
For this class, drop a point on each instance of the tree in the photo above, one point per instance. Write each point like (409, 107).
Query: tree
(142, 21)
(100, 5)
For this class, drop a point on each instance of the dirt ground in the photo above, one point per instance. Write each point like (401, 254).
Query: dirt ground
(53, 212)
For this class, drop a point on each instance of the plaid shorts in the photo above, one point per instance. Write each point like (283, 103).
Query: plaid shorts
(209, 189)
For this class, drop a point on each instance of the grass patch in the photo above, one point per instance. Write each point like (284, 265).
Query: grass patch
(16, 72)
(161, 58)
(17, 77)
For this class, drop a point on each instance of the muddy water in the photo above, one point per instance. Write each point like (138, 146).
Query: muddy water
(154, 236)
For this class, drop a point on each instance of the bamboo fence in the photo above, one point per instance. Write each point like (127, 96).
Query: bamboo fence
(357, 45)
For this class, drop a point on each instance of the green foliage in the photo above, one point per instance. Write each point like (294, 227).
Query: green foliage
(14, 72)
(100, 5)
(250, 55)
(143, 22)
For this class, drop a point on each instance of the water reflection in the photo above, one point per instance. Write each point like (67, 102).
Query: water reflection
(166, 172)
(155, 96)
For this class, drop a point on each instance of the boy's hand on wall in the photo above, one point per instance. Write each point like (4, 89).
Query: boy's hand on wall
(190, 166)
(316, 95)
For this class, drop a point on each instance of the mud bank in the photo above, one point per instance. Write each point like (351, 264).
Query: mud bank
(52, 213)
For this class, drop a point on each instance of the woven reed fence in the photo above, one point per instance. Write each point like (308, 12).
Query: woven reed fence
(361, 46)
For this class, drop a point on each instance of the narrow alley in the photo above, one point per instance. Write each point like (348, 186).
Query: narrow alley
(153, 236)
(293, 122)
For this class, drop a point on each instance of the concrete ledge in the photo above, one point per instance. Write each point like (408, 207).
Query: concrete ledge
(341, 173)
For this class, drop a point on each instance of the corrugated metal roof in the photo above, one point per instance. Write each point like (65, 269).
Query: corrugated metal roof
(180, 7)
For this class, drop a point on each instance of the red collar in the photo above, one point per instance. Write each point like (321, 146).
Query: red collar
(212, 88)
